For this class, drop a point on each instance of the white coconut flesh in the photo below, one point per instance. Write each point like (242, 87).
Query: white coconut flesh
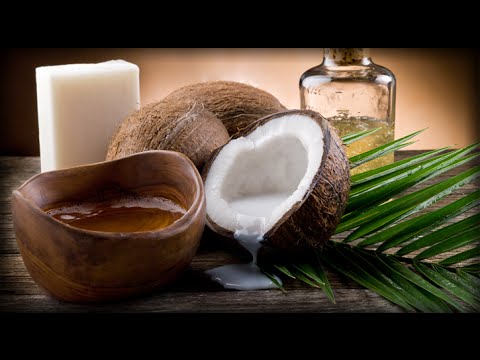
(256, 179)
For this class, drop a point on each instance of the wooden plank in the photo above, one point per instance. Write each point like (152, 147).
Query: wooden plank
(193, 292)
(272, 301)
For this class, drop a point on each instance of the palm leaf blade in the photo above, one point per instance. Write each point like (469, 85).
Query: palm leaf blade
(350, 138)
(378, 152)
(435, 166)
(472, 268)
(415, 295)
(469, 277)
(365, 276)
(381, 172)
(442, 234)
(447, 284)
(408, 229)
(308, 270)
(316, 273)
(459, 281)
(399, 176)
(274, 280)
(350, 221)
(465, 255)
(407, 204)
(419, 281)
(381, 150)
(311, 273)
(285, 271)
(379, 189)
(301, 276)
(327, 288)
(394, 184)
(450, 244)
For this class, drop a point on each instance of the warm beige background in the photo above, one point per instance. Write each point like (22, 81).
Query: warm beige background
(436, 88)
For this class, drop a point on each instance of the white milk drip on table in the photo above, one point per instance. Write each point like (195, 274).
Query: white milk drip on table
(249, 234)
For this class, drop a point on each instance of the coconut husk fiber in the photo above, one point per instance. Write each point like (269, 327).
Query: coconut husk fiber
(237, 105)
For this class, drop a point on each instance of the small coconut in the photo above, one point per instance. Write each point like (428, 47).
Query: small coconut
(185, 127)
(237, 105)
(287, 177)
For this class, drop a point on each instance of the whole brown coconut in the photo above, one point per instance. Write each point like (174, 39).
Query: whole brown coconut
(190, 120)
(237, 105)
(186, 127)
(283, 156)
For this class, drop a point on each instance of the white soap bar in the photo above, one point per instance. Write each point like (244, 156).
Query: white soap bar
(79, 109)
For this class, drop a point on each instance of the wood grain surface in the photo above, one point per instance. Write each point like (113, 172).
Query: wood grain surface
(193, 292)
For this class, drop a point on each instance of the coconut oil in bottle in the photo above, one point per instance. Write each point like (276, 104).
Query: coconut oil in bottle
(354, 94)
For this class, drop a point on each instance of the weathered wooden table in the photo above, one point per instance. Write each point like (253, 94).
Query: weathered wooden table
(193, 292)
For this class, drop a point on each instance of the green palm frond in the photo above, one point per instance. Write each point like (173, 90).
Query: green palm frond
(419, 262)
(312, 273)
(348, 139)
(388, 148)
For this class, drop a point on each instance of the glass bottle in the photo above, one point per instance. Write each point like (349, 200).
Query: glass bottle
(354, 94)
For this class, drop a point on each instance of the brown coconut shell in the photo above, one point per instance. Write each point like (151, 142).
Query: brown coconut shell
(187, 127)
(237, 105)
(312, 220)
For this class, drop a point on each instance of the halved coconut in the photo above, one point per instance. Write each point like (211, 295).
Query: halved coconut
(285, 179)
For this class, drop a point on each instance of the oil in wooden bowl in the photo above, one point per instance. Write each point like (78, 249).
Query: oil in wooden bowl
(121, 214)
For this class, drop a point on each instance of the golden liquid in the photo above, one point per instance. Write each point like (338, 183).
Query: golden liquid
(382, 136)
(122, 214)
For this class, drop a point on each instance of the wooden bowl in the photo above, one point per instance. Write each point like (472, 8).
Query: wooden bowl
(80, 265)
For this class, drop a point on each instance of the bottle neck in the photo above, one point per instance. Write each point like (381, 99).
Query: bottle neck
(346, 56)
